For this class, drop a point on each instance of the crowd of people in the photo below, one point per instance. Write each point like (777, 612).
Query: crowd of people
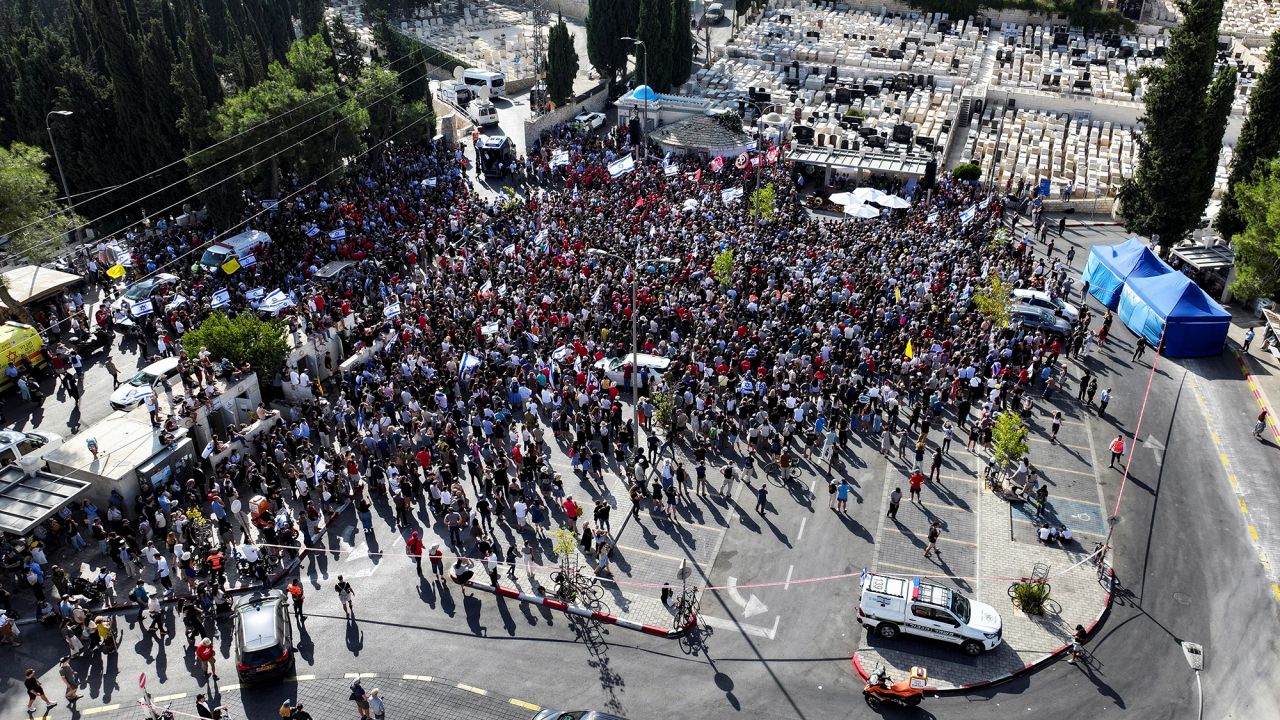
(485, 318)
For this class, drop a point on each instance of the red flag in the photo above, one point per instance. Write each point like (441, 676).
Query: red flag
(773, 154)
(717, 164)
(741, 161)
(640, 202)
(697, 176)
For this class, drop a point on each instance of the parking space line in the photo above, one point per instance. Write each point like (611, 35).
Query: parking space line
(935, 572)
(476, 690)
(1068, 470)
(642, 551)
(787, 585)
(958, 541)
(104, 708)
(960, 478)
(800, 535)
(1059, 443)
(526, 705)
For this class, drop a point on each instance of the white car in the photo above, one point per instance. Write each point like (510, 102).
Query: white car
(590, 120)
(143, 290)
(652, 367)
(890, 605)
(133, 391)
(1041, 299)
(15, 444)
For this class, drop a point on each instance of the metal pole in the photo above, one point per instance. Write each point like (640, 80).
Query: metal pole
(66, 191)
(644, 143)
(635, 358)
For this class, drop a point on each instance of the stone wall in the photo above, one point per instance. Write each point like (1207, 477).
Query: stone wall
(591, 101)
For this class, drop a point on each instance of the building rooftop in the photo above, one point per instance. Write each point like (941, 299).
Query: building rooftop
(699, 133)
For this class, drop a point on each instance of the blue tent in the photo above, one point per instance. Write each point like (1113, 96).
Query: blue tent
(1192, 323)
(1109, 266)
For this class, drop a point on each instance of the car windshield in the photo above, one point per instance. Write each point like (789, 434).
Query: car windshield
(213, 256)
(960, 607)
(139, 291)
(142, 378)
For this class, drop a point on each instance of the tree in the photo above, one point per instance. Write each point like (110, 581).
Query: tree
(722, 266)
(607, 21)
(994, 300)
(562, 63)
(346, 47)
(968, 172)
(1258, 246)
(764, 202)
(311, 17)
(29, 214)
(1008, 439)
(680, 35)
(242, 338)
(1259, 140)
(1178, 128)
(665, 410)
(656, 61)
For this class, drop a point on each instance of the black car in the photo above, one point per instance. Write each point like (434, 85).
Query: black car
(1033, 318)
(264, 638)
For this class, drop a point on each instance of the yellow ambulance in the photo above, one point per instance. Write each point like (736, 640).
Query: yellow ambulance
(19, 341)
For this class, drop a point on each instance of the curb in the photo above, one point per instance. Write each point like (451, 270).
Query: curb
(1057, 652)
(271, 582)
(554, 604)
(1258, 395)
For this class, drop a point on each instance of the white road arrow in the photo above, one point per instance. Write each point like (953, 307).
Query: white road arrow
(1157, 447)
(750, 607)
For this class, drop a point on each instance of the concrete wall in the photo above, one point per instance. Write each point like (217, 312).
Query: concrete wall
(591, 101)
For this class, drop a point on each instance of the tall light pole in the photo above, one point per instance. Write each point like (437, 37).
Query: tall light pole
(644, 144)
(634, 264)
(66, 191)
(760, 108)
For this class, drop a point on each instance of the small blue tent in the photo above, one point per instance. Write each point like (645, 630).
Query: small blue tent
(1109, 266)
(1192, 323)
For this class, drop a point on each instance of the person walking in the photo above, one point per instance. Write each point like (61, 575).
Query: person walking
(360, 697)
(295, 592)
(208, 659)
(1260, 425)
(1104, 401)
(916, 481)
(762, 496)
(36, 690)
(895, 498)
(726, 486)
(1141, 348)
(1084, 385)
(935, 530)
(69, 678)
(1248, 340)
(436, 556)
(114, 371)
(413, 546)
(842, 495)
(1117, 450)
(346, 595)
(1055, 426)
(935, 466)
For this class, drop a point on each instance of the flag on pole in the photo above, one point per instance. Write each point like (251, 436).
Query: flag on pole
(933, 218)
(750, 146)
(489, 328)
(671, 170)
(622, 166)
(985, 202)
(338, 234)
(910, 352)
(968, 214)
(311, 230)
(718, 164)
(221, 298)
(468, 365)
(392, 310)
(697, 175)
(730, 194)
(560, 158)
(741, 161)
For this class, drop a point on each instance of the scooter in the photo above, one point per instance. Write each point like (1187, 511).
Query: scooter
(906, 693)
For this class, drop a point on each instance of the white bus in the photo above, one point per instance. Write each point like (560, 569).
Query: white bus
(477, 78)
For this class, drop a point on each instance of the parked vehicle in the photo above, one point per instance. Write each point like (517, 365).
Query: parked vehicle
(22, 346)
(483, 113)
(1032, 318)
(496, 153)
(890, 605)
(650, 370)
(590, 120)
(140, 291)
(16, 444)
(478, 78)
(455, 92)
(1041, 299)
(238, 246)
(263, 637)
(133, 391)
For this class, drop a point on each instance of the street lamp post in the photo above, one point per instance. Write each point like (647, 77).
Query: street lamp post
(66, 191)
(634, 264)
(761, 109)
(644, 145)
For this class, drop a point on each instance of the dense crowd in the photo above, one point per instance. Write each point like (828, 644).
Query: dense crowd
(817, 330)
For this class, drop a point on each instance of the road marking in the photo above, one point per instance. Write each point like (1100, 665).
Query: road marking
(1059, 443)
(1253, 533)
(800, 535)
(1067, 470)
(642, 551)
(1243, 508)
(104, 708)
(305, 677)
(958, 541)
(934, 572)
(476, 690)
(1225, 462)
(812, 485)
(734, 625)
(957, 477)
(787, 585)
(526, 705)
(229, 686)
(1275, 590)
(421, 678)
(360, 675)
(751, 606)
(163, 698)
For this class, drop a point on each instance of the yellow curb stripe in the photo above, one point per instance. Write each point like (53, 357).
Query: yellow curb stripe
(526, 705)
(1225, 462)
(1253, 533)
(1235, 482)
(1243, 508)
(476, 690)
(1275, 591)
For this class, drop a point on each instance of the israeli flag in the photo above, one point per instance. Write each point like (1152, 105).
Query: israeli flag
(429, 182)
(489, 329)
(269, 204)
(143, 391)
(671, 170)
(728, 196)
(391, 310)
(531, 337)
(468, 365)
(141, 309)
(933, 218)
(750, 146)
(560, 158)
(275, 301)
(968, 214)
(985, 202)
(311, 230)
(221, 298)
(248, 261)
(487, 286)
(622, 166)
(322, 465)
(338, 234)
(254, 294)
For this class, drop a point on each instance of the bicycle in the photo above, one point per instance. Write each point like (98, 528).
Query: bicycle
(1099, 554)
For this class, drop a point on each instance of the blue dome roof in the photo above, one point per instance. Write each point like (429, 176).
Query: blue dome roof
(644, 92)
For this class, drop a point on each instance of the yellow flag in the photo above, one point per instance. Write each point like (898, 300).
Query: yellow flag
(897, 295)
(229, 267)
(910, 352)
(115, 272)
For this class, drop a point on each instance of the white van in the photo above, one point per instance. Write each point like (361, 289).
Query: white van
(477, 78)
(651, 368)
(890, 605)
(715, 13)
(483, 113)
(455, 92)
(238, 247)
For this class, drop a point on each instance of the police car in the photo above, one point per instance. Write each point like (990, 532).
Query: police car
(890, 605)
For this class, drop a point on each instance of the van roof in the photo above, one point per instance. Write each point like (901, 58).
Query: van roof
(258, 629)
(248, 237)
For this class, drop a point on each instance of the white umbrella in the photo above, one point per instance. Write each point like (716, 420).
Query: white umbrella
(892, 201)
(868, 194)
(861, 211)
(844, 198)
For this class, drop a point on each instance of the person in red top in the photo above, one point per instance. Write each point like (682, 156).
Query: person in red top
(916, 480)
(413, 546)
(207, 657)
(572, 510)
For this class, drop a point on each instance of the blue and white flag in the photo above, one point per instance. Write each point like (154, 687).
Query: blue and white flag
(338, 234)
(985, 202)
(671, 170)
(933, 218)
(560, 158)
(311, 230)
(221, 298)
(731, 194)
(429, 182)
(254, 294)
(391, 310)
(248, 261)
(321, 466)
(968, 214)
(269, 204)
(489, 328)
(531, 337)
(141, 309)
(468, 365)
(622, 166)
(750, 146)
(275, 301)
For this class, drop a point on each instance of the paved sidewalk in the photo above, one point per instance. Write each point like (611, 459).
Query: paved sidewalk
(406, 696)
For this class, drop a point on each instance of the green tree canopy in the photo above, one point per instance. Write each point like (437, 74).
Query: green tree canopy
(994, 300)
(244, 338)
(29, 214)
(562, 63)
(1258, 245)
(607, 21)
(1259, 139)
(655, 55)
(680, 35)
(1008, 439)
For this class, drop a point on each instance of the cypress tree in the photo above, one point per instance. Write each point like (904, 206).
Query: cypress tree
(311, 17)
(193, 117)
(202, 57)
(562, 62)
(608, 20)
(1259, 139)
(656, 58)
(680, 32)
(1162, 199)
